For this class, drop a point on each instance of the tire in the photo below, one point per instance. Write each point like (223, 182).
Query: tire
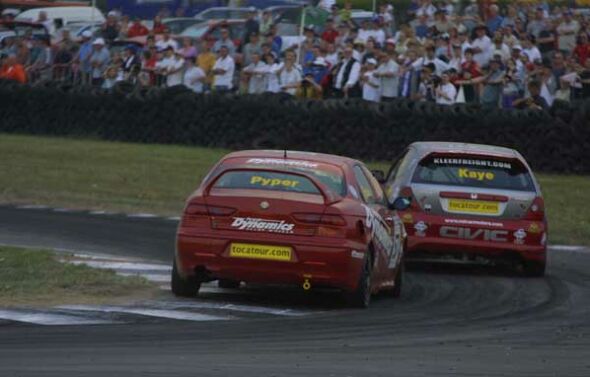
(361, 297)
(533, 269)
(228, 284)
(182, 287)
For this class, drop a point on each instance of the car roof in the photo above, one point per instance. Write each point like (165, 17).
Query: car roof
(299, 155)
(426, 147)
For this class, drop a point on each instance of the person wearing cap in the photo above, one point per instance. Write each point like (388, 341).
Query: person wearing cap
(223, 71)
(194, 77)
(493, 84)
(82, 57)
(358, 49)
(309, 88)
(566, 33)
(482, 46)
(99, 60)
(445, 92)
(110, 29)
(347, 74)
(370, 83)
(137, 29)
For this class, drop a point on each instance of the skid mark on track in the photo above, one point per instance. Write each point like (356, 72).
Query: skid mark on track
(150, 312)
(49, 318)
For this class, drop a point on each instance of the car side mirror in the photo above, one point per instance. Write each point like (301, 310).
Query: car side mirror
(400, 204)
(379, 175)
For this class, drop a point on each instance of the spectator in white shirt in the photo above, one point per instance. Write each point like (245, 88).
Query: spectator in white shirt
(273, 67)
(530, 50)
(388, 73)
(482, 47)
(500, 48)
(427, 9)
(166, 42)
(194, 76)
(171, 66)
(567, 31)
(371, 84)
(347, 74)
(446, 92)
(256, 75)
(428, 58)
(289, 74)
(223, 71)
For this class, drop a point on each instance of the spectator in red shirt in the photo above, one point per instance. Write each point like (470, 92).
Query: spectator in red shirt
(137, 29)
(330, 33)
(582, 49)
(12, 70)
(159, 27)
(470, 77)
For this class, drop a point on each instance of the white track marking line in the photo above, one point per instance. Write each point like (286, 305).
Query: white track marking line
(156, 278)
(142, 215)
(568, 248)
(160, 313)
(32, 206)
(41, 318)
(231, 307)
(100, 213)
(173, 218)
(127, 266)
(65, 210)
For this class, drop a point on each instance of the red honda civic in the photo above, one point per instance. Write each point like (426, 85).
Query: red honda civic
(283, 217)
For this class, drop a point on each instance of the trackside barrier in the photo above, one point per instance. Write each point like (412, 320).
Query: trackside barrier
(553, 141)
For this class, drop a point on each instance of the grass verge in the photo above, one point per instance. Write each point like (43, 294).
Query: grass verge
(37, 277)
(158, 178)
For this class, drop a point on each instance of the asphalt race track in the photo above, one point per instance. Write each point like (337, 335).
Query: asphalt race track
(451, 320)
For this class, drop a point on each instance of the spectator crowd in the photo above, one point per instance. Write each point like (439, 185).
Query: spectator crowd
(525, 55)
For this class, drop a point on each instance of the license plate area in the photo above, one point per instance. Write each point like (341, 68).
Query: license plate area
(481, 207)
(257, 251)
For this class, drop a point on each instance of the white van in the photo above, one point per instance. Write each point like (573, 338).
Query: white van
(64, 15)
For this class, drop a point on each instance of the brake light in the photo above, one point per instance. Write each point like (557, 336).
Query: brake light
(536, 211)
(406, 192)
(220, 211)
(196, 209)
(316, 218)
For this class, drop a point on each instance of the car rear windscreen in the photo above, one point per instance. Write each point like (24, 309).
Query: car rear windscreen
(469, 171)
(262, 180)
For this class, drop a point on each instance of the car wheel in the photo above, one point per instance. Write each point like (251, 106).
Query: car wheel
(228, 284)
(182, 287)
(533, 268)
(361, 297)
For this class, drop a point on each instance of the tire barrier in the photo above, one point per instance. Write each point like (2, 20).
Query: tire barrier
(554, 141)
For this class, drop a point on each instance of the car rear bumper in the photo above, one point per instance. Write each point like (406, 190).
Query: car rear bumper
(441, 235)
(320, 263)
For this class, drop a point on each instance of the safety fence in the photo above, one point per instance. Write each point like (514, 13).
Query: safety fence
(553, 141)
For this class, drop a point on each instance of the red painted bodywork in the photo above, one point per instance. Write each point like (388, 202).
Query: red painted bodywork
(322, 254)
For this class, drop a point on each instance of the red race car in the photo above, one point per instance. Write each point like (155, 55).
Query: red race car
(282, 217)
(469, 201)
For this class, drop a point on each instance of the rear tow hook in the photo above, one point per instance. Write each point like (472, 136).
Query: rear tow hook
(306, 282)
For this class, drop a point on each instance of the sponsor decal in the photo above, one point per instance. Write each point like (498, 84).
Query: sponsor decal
(262, 225)
(473, 162)
(473, 174)
(380, 233)
(282, 162)
(473, 234)
(519, 236)
(475, 222)
(407, 218)
(534, 228)
(420, 228)
(272, 182)
(427, 207)
(357, 254)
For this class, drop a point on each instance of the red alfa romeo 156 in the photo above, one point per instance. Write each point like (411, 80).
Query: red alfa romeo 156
(282, 217)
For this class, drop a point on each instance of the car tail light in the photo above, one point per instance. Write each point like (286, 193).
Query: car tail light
(406, 192)
(316, 218)
(196, 209)
(536, 211)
